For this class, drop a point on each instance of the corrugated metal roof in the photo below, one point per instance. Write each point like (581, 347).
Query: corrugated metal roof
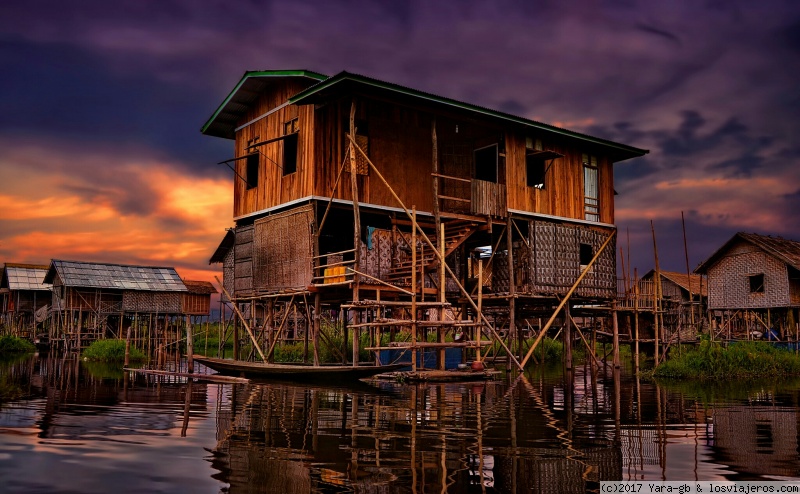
(24, 277)
(115, 276)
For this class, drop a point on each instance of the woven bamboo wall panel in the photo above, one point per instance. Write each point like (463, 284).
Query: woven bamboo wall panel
(377, 260)
(243, 261)
(554, 260)
(284, 250)
(228, 276)
(155, 302)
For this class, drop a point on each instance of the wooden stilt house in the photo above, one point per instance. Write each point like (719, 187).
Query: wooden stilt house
(754, 285)
(350, 191)
(95, 300)
(197, 299)
(24, 298)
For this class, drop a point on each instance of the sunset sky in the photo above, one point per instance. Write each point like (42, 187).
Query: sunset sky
(102, 159)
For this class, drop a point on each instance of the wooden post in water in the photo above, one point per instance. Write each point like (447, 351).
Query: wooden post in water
(567, 338)
(316, 326)
(414, 288)
(442, 352)
(127, 347)
(189, 345)
(636, 321)
(615, 325)
(512, 329)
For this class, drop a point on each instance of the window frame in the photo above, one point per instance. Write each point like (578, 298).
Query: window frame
(252, 170)
(591, 175)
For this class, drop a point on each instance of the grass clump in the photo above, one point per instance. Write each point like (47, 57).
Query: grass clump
(741, 360)
(111, 351)
(13, 345)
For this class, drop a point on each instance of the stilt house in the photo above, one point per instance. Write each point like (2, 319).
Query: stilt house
(92, 299)
(24, 297)
(681, 300)
(348, 188)
(754, 284)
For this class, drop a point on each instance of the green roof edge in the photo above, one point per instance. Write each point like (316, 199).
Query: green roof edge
(260, 73)
(465, 106)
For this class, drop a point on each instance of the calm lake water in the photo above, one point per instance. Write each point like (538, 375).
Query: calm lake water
(69, 427)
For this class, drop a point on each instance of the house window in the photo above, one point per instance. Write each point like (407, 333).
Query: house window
(756, 283)
(591, 201)
(252, 170)
(535, 171)
(486, 163)
(291, 131)
(586, 254)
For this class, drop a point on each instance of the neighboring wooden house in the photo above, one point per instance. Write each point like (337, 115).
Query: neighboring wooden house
(197, 299)
(96, 297)
(23, 298)
(754, 284)
(534, 201)
(681, 303)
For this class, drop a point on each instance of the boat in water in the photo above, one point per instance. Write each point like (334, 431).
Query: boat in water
(294, 371)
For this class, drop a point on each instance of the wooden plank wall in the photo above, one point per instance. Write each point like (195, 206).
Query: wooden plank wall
(274, 187)
(562, 194)
(399, 146)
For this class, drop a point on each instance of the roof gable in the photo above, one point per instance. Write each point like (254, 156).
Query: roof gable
(785, 250)
(115, 276)
(199, 287)
(222, 122)
(683, 280)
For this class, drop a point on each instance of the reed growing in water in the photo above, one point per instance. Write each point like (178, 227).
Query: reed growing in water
(111, 351)
(10, 345)
(740, 360)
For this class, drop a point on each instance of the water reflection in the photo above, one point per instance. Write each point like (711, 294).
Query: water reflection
(67, 427)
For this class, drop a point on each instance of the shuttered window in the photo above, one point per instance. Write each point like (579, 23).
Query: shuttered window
(591, 196)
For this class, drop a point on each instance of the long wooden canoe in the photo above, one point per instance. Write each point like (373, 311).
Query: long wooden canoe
(294, 371)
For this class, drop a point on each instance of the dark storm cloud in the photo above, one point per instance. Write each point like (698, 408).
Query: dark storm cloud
(659, 32)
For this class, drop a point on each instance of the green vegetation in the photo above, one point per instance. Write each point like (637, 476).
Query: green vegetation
(741, 360)
(111, 351)
(13, 345)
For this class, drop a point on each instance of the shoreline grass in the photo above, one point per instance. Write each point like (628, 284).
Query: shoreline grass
(742, 360)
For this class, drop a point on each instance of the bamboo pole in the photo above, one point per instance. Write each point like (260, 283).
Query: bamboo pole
(414, 289)
(615, 325)
(565, 299)
(688, 273)
(189, 345)
(441, 260)
(244, 323)
(656, 295)
(442, 353)
(636, 321)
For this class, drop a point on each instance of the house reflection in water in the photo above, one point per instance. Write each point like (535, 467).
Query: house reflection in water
(454, 437)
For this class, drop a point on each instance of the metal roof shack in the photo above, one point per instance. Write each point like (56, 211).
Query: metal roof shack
(116, 288)
(22, 295)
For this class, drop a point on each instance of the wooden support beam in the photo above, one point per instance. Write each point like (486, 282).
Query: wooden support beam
(244, 323)
(441, 260)
(566, 298)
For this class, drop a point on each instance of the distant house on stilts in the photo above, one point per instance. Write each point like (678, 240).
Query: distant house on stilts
(23, 298)
(754, 285)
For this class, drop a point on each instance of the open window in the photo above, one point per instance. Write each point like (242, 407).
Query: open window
(251, 173)
(291, 131)
(586, 254)
(486, 160)
(756, 283)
